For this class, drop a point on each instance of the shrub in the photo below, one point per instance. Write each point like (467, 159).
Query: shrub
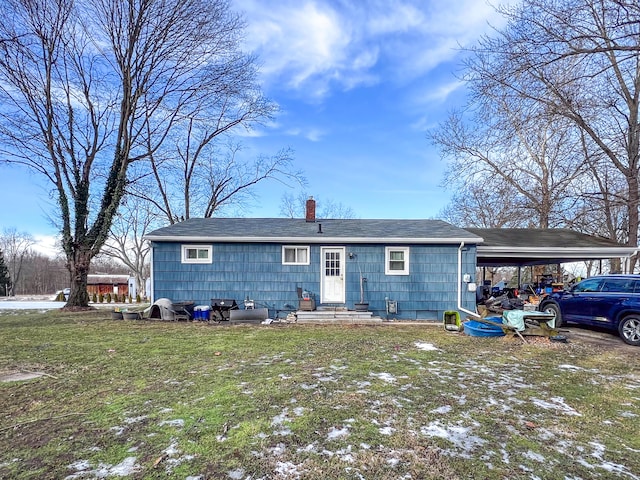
(94, 298)
(138, 298)
(108, 298)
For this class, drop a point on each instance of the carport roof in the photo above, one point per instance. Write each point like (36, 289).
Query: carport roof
(539, 246)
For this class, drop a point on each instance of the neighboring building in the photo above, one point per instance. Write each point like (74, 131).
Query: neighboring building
(426, 266)
(103, 284)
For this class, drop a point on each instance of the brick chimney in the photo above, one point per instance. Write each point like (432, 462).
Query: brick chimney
(311, 210)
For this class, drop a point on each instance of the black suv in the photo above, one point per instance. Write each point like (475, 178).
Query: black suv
(609, 301)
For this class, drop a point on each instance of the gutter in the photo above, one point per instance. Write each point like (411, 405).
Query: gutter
(318, 239)
(460, 307)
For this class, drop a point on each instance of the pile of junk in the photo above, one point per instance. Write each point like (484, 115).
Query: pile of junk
(503, 310)
(220, 309)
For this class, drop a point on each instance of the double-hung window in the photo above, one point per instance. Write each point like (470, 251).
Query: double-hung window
(396, 261)
(196, 253)
(295, 255)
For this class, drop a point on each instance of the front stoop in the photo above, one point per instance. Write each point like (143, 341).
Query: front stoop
(336, 316)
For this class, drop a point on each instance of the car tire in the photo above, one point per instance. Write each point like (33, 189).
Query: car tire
(629, 329)
(554, 308)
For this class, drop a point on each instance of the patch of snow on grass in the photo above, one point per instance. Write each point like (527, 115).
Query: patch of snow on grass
(279, 419)
(131, 420)
(124, 469)
(79, 465)
(287, 469)
(556, 403)
(569, 367)
(278, 450)
(628, 415)
(385, 377)
(536, 457)
(178, 422)
(311, 448)
(236, 474)
(345, 454)
(598, 453)
(306, 386)
(444, 409)
(337, 433)
(460, 436)
(428, 347)
(386, 430)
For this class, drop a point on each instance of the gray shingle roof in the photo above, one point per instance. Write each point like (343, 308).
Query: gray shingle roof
(540, 237)
(322, 231)
(538, 246)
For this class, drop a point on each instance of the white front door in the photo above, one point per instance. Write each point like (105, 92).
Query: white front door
(332, 284)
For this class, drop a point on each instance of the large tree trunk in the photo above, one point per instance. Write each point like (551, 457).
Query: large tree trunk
(632, 181)
(79, 270)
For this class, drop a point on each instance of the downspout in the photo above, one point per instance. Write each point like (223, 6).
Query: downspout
(460, 307)
(151, 292)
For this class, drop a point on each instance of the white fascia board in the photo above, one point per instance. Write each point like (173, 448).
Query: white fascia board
(314, 239)
(556, 252)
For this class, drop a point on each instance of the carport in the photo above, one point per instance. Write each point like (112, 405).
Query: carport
(520, 247)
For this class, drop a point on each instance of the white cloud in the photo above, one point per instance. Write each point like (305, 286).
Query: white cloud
(314, 46)
(312, 134)
(46, 245)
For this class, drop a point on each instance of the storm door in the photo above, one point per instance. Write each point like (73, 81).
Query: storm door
(332, 284)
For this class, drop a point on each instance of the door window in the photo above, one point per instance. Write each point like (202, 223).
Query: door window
(332, 267)
(618, 285)
(589, 285)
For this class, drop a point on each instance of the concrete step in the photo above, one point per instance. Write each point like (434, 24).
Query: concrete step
(336, 316)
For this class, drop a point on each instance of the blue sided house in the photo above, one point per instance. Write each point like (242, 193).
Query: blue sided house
(401, 269)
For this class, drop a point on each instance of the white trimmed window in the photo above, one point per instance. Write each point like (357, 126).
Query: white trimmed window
(396, 261)
(196, 254)
(295, 255)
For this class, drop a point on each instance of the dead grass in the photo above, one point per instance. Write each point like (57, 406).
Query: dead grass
(173, 400)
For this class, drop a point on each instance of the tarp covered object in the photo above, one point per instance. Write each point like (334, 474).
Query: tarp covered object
(516, 318)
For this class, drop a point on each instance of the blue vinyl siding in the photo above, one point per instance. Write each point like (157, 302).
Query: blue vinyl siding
(255, 271)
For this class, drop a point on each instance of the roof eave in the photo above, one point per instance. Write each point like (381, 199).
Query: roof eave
(316, 239)
(557, 252)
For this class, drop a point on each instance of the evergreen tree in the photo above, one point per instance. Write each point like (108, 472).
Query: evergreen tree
(5, 279)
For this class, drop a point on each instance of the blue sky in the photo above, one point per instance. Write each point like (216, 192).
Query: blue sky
(359, 84)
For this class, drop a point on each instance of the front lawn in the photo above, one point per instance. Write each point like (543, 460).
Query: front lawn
(150, 399)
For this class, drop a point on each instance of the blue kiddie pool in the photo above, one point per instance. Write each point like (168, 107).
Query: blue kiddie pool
(479, 329)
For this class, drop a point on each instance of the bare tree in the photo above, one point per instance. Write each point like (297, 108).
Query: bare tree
(532, 161)
(125, 242)
(578, 60)
(42, 275)
(90, 88)
(15, 246)
(293, 206)
(202, 180)
(489, 203)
